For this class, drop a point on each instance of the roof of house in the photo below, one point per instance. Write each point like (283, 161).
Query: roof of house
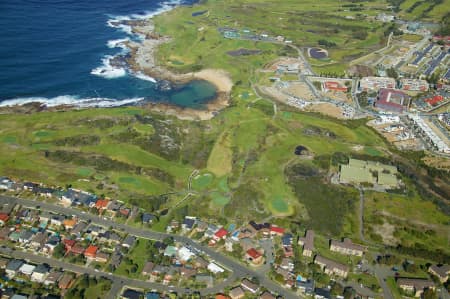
(4, 217)
(65, 280)
(417, 283)
(69, 243)
(14, 265)
(330, 264)
(129, 240)
(188, 222)
(277, 229)
(308, 240)
(77, 249)
(53, 276)
(70, 222)
(146, 217)
(325, 293)
(102, 203)
(132, 294)
(286, 240)
(249, 285)
(267, 295)
(236, 292)
(91, 250)
(441, 270)
(148, 267)
(253, 253)
(41, 268)
(170, 251)
(221, 296)
(348, 244)
(221, 233)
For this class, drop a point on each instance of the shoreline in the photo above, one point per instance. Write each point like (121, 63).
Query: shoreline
(142, 60)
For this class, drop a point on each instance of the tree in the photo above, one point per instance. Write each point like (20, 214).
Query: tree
(59, 251)
(391, 72)
(429, 294)
(337, 289)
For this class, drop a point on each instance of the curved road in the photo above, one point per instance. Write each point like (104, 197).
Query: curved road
(239, 270)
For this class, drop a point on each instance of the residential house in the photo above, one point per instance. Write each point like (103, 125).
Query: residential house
(286, 241)
(308, 243)
(95, 230)
(205, 278)
(29, 186)
(129, 241)
(287, 264)
(101, 205)
(331, 267)
(52, 277)
(90, 252)
(222, 296)
(5, 183)
(152, 295)
(38, 240)
(77, 249)
(221, 234)
(306, 286)
(3, 218)
(45, 216)
(287, 275)
(187, 272)
(188, 224)
(65, 281)
(263, 228)
(40, 273)
(201, 226)
(14, 236)
(3, 262)
(170, 251)
(51, 243)
(4, 232)
(101, 257)
(57, 220)
(212, 229)
(78, 229)
(124, 212)
(114, 207)
(27, 269)
(347, 247)
(441, 271)
(25, 237)
(267, 295)
(148, 268)
(78, 197)
(12, 267)
(132, 294)
(237, 293)
(44, 191)
(69, 223)
(200, 263)
(249, 286)
(185, 254)
(68, 244)
(110, 237)
(161, 246)
(214, 268)
(415, 286)
(254, 256)
(116, 259)
(148, 218)
(276, 231)
(322, 293)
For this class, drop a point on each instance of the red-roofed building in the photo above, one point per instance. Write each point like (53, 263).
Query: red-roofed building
(392, 100)
(68, 244)
(101, 204)
(433, 101)
(77, 249)
(91, 251)
(220, 296)
(220, 234)
(254, 256)
(445, 39)
(276, 230)
(333, 86)
(3, 218)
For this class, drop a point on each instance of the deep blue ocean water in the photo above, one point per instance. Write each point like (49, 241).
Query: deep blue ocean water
(55, 51)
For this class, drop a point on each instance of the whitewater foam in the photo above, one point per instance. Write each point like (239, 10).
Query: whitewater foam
(71, 101)
(118, 43)
(106, 70)
(144, 77)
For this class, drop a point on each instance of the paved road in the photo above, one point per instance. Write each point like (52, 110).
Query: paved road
(239, 271)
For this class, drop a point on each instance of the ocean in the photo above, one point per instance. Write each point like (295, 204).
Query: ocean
(57, 52)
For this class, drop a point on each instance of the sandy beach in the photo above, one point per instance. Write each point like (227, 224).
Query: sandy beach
(143, 59)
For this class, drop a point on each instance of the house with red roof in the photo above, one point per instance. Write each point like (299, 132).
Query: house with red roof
(101, 204)
(221, 234)
(333, 86)
(90, 252)
(435, 100)
(77, 249)
(68, 244)
(3, 218)
(254, 256)
(276, 230)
